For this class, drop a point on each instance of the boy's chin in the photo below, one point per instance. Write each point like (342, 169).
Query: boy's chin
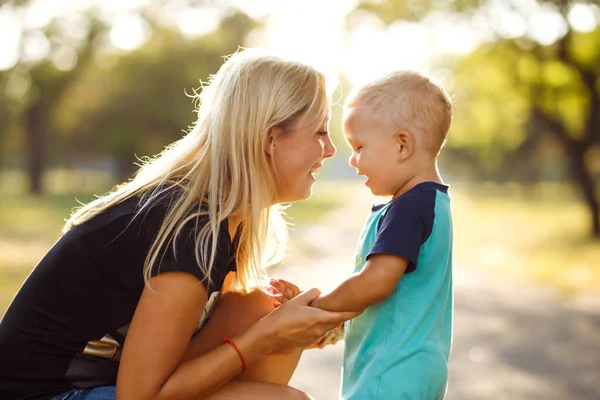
(380, 193)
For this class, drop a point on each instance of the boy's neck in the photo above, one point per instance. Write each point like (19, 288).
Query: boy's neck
(430, 174)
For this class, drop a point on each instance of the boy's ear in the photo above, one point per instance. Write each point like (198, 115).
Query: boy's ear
(405, 144)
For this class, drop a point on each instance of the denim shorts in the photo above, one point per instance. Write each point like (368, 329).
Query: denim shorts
(99, 393)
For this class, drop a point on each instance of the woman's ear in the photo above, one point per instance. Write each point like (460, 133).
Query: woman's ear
(405, 144)
(270, 140)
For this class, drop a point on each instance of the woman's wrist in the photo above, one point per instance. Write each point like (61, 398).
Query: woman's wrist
(317, 302)
(256, 342)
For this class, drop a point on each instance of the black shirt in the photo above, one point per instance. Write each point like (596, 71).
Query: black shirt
(66, 327)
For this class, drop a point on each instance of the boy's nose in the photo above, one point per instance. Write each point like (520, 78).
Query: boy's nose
(352, 160)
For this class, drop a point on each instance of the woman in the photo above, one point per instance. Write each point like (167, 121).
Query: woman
(113, 309)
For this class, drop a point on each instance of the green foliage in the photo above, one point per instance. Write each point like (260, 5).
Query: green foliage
(114, 104)
(414, 10)
(494, 87)
(140, 102)
(529, 232)
(494, 84)
(515, 93)
(491, 108)
(551, 231)
(585, 48)
(134, 104)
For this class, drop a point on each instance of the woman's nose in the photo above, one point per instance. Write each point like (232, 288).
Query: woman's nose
(329, 149)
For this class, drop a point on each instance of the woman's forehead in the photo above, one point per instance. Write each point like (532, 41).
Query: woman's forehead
(318, 119)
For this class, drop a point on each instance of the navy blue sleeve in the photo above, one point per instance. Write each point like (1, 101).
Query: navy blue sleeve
(405, 226)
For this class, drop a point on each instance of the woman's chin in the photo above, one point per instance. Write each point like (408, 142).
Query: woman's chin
(304, 196)
(302, 192)
(295, 197)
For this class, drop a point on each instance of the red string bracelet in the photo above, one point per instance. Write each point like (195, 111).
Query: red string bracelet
(228, 340)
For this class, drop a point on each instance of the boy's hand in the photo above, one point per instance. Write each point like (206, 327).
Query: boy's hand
(329, 338)
(316, 301)
(282, 291)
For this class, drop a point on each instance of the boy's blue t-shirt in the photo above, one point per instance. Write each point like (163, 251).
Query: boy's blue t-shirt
(399, 348)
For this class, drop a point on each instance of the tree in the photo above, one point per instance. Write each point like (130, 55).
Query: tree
(48, 83)
(555, 87)
(52, 82)
(139, 103)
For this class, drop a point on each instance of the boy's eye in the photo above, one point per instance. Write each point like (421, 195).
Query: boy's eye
(358, 148)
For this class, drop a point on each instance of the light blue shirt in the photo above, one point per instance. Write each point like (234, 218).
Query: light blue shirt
(399, 348)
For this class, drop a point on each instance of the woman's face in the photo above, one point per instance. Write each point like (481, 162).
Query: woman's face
(297, 157)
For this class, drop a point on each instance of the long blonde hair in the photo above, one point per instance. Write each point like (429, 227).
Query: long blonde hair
(221, 168)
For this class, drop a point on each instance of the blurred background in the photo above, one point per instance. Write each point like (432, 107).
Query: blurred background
(87, 88)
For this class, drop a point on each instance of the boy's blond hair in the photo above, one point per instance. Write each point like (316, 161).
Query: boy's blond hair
(408, 100)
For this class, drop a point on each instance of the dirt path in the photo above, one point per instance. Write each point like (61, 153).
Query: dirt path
(511, 341)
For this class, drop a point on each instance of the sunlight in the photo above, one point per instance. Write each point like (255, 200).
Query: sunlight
(41, 12)
(256, 9)
(295, 31)
(453, 35)
(10, 33)
(128, 32)
(372, 52)
(320, 38)
(122, 5)
(547, 26)
(582, 18)
(36, 47)
(198, 21)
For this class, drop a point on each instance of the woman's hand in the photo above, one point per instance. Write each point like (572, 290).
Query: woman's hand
(296, 324)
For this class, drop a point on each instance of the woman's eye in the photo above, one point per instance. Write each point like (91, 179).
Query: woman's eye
(322, 133)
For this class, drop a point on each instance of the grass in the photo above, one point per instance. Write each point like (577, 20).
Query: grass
(30, 224)
(327, 196)
(28, 227)
(539, 234)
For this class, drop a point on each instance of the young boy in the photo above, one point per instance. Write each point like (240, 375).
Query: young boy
(398, 347)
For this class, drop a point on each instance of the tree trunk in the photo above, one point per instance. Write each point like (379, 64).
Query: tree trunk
(35, 142)
(575, 151)
(584, 179)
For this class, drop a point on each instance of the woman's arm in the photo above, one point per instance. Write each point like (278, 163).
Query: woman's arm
(160, 331)
(163, 324)
(373, 284)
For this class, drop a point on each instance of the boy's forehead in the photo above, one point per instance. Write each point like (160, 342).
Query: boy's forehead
(351, 111)
(352, 116)
(358, 119)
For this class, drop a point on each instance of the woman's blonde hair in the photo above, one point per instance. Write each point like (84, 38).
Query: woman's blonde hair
(220, 168)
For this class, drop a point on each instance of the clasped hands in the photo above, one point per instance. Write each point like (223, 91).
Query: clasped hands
(282, 291)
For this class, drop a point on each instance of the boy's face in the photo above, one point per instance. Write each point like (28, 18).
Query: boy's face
(375, 152)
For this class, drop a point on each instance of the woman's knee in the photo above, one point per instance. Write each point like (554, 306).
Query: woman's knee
(251, 390)
(253, 305)
(237, 312)
(295, 394)
(233, 314)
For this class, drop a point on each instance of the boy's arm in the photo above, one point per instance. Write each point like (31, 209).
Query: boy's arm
(373, 284)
